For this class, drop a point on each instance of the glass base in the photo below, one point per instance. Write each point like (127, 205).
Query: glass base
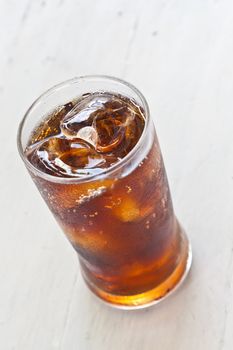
(155, 295)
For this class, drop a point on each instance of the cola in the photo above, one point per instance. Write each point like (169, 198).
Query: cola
(109, 192)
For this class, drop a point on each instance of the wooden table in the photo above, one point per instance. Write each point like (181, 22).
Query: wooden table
(179, 53)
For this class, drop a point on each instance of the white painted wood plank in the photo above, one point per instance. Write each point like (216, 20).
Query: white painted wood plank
(180, 54)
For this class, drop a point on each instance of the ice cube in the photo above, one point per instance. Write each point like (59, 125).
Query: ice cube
(85, 238)
(106, 122)
(82, 114)
(127, 210)
(54, 146)
(110, 132)
(69, 196)
(70, 157)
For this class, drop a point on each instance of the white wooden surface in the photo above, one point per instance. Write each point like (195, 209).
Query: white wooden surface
(179, 53)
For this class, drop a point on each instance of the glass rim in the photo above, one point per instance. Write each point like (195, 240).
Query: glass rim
(105, 172)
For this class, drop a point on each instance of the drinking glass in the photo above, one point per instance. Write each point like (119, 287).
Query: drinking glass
(132, 250)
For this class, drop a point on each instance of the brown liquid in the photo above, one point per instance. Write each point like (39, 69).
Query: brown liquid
(131, 248)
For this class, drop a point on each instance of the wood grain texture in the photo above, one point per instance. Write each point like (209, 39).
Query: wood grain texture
(179, 53)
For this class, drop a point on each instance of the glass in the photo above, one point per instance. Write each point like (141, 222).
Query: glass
(132, 250)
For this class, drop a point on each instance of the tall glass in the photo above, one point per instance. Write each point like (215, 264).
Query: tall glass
(132, 250)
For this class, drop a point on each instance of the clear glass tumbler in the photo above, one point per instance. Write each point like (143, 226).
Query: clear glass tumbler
(132, 250)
